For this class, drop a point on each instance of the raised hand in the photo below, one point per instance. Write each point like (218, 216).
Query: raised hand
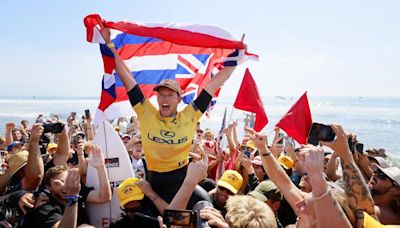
(312, 158)
(36, 132)
(73, 182)
(340, 143)
(260, 140)
(106, 34)
(10, 125)
(197, 170)
(97, 159)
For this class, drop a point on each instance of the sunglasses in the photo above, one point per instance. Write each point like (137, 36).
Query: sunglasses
(380, 175)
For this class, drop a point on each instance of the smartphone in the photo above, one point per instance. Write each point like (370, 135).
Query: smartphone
(143, 220)
(87, 113)
(246, 153)
(320, 132)
(351, 144)
(281, 138)
(360, 148)
(53, 128)
(179, 217)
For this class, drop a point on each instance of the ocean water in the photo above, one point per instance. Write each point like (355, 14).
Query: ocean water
(376, 121)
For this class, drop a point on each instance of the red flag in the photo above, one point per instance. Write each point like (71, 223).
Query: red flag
(297, 121)
(248, 99)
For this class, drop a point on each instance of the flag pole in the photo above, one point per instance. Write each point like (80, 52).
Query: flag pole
(230, 116)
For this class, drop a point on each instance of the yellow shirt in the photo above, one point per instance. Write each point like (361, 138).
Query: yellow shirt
(370, 222)
(166, 141)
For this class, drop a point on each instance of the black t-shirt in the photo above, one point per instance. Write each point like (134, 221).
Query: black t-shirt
(135, 222)
(52, 212)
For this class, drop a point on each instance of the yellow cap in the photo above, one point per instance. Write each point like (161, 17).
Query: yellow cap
(128, 191)
(51, 146)
(286, 162)
(250, 144)
(231, 180)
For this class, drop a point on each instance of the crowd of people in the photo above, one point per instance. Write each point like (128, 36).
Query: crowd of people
(185, 176)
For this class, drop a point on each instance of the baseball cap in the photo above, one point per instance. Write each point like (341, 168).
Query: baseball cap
(78, 133)
(17, 161)
(231, 180)
(128, 191)
(380, 160)
(15, 143)
(286, 162)
(51, 146)
(2, 138)
(266, 190)
(170, 84)
(392, 172)
(257, 161)
(250, 144)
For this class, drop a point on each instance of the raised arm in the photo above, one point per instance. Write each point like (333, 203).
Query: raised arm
(228, 133)
(234, 134)
(61, 155)
(197, 171)
(291, 193)
(355, 186)
(34, 169)
(331, 168)
(219, 79)
(9, 137)
(120, 67)
(104, 194)
(72, 187)
(328, 212)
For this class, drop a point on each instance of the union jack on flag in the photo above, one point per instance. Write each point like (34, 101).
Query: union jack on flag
(190, 54)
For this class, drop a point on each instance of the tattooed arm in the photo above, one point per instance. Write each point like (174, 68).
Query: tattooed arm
(355, 186)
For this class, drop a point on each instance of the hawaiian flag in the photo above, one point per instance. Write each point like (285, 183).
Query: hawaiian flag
(190, 54)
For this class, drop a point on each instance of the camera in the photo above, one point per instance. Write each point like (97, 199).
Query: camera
(320, 132)
(187, 218)
(87, 113)
(53, 128)
(7, 214)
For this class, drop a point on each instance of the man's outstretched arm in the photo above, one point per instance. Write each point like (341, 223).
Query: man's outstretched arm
(120, 67)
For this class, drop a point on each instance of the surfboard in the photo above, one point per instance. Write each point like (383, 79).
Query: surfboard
(118, 167)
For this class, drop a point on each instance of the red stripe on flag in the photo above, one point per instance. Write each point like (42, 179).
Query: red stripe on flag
(188, 64)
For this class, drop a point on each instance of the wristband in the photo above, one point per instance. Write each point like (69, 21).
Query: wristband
(71, 200)
(323, 195)
(111, 45)
(266, 154)
(154, 198)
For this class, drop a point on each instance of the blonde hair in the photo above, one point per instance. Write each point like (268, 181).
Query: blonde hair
(245, 211)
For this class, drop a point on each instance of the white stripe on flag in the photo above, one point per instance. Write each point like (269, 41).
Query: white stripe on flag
(152, 62)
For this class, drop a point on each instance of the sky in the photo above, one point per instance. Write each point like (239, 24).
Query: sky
(328, 48)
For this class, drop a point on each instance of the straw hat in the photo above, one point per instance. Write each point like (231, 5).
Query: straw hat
(17, 161)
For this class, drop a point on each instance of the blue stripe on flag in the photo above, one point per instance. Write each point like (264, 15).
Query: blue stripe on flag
(148, 76)
(124, 39)
(188, 98)
(106, 51)
(202, 57)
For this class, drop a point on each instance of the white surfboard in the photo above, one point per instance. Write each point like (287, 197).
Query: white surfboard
(118, 167)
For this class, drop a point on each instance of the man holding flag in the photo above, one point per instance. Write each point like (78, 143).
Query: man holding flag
(166, 133)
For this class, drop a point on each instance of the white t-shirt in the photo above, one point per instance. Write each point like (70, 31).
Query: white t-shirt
(138, 168)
